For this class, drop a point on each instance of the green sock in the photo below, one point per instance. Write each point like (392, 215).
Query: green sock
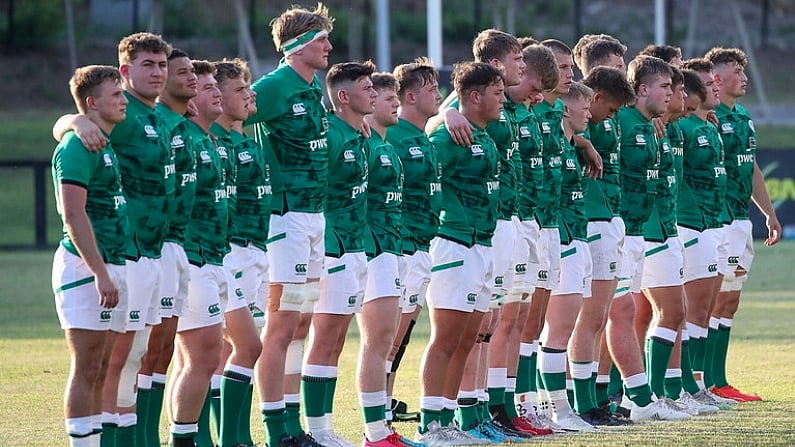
(721, 352)
(293, 421)
(108, 436)
(641, 394)
(673, 387)
(234, 387)
(446, 416)
(510, 406)
(153, 415)
(534, 374)
(215, 409)
(244, 423)
(314, 393)
(496, 396)
(659, 355)
(328, 404)
(126, 436)
(600, 389)
(581, 386)
(554, 381)
(524, 375)
(142, 413)
(466, 415)
(204, 437)
(274, 421)
(688, 382)
(697, 350)
(426, 417)
(709, 357)
(614, 386)
(483, 411)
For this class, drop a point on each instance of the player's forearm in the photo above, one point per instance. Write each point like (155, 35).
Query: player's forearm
(759, 193)
(63, 125)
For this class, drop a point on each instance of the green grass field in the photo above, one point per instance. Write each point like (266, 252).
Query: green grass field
(34, 365)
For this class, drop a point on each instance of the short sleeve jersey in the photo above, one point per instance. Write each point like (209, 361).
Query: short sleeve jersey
(661, 224)
(384, 198)
(703, 192)
(143, 147)
(291, 115)
(422, 187)
(739, 142)
(185, 172)
(639, 169)
(346, 196)
(603, 195)
(572, 221)
(206, 238)
(531, 148)
(471, 188)
(253, 192)
(550, 121)
(106, 206)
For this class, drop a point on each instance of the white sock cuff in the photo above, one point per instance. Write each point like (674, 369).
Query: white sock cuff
(664, 333)
(671, 373)
(79, 426)
(183, 429)
(685, 334)
(595, 367)
(510, 384)
(713, 322)
(526, 349)
(636, 380)
(144, 381)
(603, 378)
(580, 371)
(271, 406)
(449, 404)
(128, 419)
(696, 331)
(552, 362)
(158, 378)
(468, 394)
(388, 366)
(215, 382)
(319, 371)
(242, 370)
(727, 322)
(374, 399)
(433, 403)
(483, 395)
(569, 384)
(292, 398)
(109, 418)
(497, 377)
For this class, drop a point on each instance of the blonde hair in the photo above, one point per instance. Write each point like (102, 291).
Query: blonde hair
(87, 80)
(298, 20)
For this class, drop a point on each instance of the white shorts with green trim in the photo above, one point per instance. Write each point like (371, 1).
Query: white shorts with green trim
(663, 264)
(174, 281)
(605, 240)
(575, 269)
(460, 276)
(416, 277)
(701, 253)
(296, 247)
(342, 285)
(630, 271)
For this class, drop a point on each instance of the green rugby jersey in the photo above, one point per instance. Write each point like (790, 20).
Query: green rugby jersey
(702, 194)
(639, 169)
(384, 198)
(106, 205)
(253, 192)
(572, 220)
(225, 147)
(290, 114)
(603, 195)
(142, 145)
(206, 238)
(422, 187)
(662, 221)
(184, 170)
(471, 188)
(531, 153)
(346, 197)
(739, 143)
(550, 121)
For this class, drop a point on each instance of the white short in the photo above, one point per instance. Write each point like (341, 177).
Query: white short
(249, 266)
(525, 251)
(701, 252)
(296, 247)
(211, 287)
(383, 277)
(460, 276)
(174, 280)
(76, 297)
(605, 240)
(630, 271)
(504, 242)
(342, 285)
(740, 244)
(143, 285)
(546, 267)
(663, 265)
(416, 277)
(576, 270)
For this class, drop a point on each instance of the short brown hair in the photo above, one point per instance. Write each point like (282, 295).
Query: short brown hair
(597, 52)
(298, 20)
(541, 61)
(720, 55)
(227, 69)
(677, 78)
(643, 68)
(664, 52)
(493, 44)
(415, 74)
(698, 64)
(130, 46)
(474, 76)
(348, 72)
(384, 81)
(612, 82)
(203, 67)
(86, 81)
(557, 46)
(694, 85)
(577, 91)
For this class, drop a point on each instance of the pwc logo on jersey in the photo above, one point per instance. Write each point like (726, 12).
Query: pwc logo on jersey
(652, 174)
(299, 109)
(435, 187)
(727, 128)
(170, 169)
(244, 158)
(492, 186)
(536, 162)
(745, 158)
(118, 201)
(679, 151)
(360, 189)
(719, 171)
(613, 158)
(320, 143)
(150, 131)
(188, 178)
(264, 190)
(108, 160)
(416, 152)
(702, 141)
(477, 150)
(576, 195)
(393, 196)
(221, 194)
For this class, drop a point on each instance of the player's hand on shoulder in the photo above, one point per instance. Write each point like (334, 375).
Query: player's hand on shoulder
(89, 134)
(459, 127)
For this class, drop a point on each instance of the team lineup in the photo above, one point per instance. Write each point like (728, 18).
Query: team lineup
(581, 246)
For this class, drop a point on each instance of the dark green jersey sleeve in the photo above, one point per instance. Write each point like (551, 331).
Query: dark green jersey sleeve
(603, 195)
(422, 187)
(106, 205)
(739, 142)
(702, 194)
(291, 115)
(572, 221)
(346, 197)
(471, 188)
(550, 121)
(639, 170)
(185, 173)
(384, 198)
(531, 153)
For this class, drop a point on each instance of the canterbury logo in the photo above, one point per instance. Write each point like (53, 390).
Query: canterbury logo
(300, 268)
(472, 298)
(167, 302)
(214, 309)
(520, 268)
(734, 259)
(104, 316)
(713, 268)
(542, 275)
(135, 315)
